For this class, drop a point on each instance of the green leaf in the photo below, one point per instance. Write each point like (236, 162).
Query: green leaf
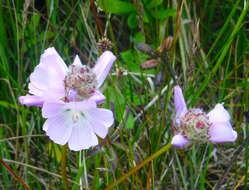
(132, 21)
(162, 14)
(139, 37)
(130, 121)
(116, 6)
(154, 3)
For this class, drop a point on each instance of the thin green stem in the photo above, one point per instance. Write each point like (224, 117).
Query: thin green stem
(85, 169)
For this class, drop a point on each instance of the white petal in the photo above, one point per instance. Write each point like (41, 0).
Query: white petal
(222, 132)
(51, 109)
(218, 114)
(102, 115)
(77, 61)
(103, 66)
(100, 120)
(82, 136)
(179, 141)
(83, 105)
(58, 129)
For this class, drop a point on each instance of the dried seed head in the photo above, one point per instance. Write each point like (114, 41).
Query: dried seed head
(80, 83)
(166, 45)
(149, 64)
(194, 125)
(104, 44)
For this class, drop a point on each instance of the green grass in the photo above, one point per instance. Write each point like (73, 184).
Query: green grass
(209, 55)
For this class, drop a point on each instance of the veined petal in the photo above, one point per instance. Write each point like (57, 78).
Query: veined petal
(179, 141)
(51, 109)
(82, 136)
(83, 105)
(222, 132)
(49, 75)
(101, 114)
(100, 119)
(58, 128)
(218, 114)
(179, 101)
(30, 100)
(103, 66)
(98, 97)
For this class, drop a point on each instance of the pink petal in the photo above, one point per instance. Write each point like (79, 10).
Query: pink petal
(103, 66)
(222, 132)
(218, 114)
(77, 61)
(100, 119)
(83, 105)
(98, 97)
(101, 114)
(179, 141)
(51, 109)
(179, 101)
(48, 77)
(82, 136)
(57, 129)
(30, 100)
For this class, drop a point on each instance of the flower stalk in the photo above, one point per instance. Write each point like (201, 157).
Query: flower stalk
(139, 166)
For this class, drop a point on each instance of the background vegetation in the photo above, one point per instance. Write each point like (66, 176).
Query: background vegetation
(210, 57)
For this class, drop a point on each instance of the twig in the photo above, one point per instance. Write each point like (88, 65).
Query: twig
(19, 179)
(230, 164)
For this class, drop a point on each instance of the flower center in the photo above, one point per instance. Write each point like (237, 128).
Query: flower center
(80, 83)
(194, 125)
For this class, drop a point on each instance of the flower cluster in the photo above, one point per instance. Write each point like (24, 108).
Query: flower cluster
(69, 97)
(194, 125)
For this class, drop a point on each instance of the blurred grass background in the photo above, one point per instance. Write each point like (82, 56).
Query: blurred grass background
(209, 54)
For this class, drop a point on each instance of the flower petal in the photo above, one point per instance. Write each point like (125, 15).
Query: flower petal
(101, 114)
(98, 97)
(218, 114)
(48, 77)
(103, 66)
(82, 136)
(58, 129)
(83, 105)
(51, 109)
(77, 61)
(30, 100)
(222, 132)
(179, 141)
(179, 101)
(100, 119)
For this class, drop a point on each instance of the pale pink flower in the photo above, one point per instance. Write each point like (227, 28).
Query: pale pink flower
(76, 123)
(195, 126)
(69, 97)
(47, 82)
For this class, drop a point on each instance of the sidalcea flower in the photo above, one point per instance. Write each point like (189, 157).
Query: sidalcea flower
(194, 125)
(53, 80)
(76, 123)
(69, 97)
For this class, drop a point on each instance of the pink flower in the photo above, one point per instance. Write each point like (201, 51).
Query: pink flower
(47, 82)
(195, 126)
(69, 97)
(76, 123)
